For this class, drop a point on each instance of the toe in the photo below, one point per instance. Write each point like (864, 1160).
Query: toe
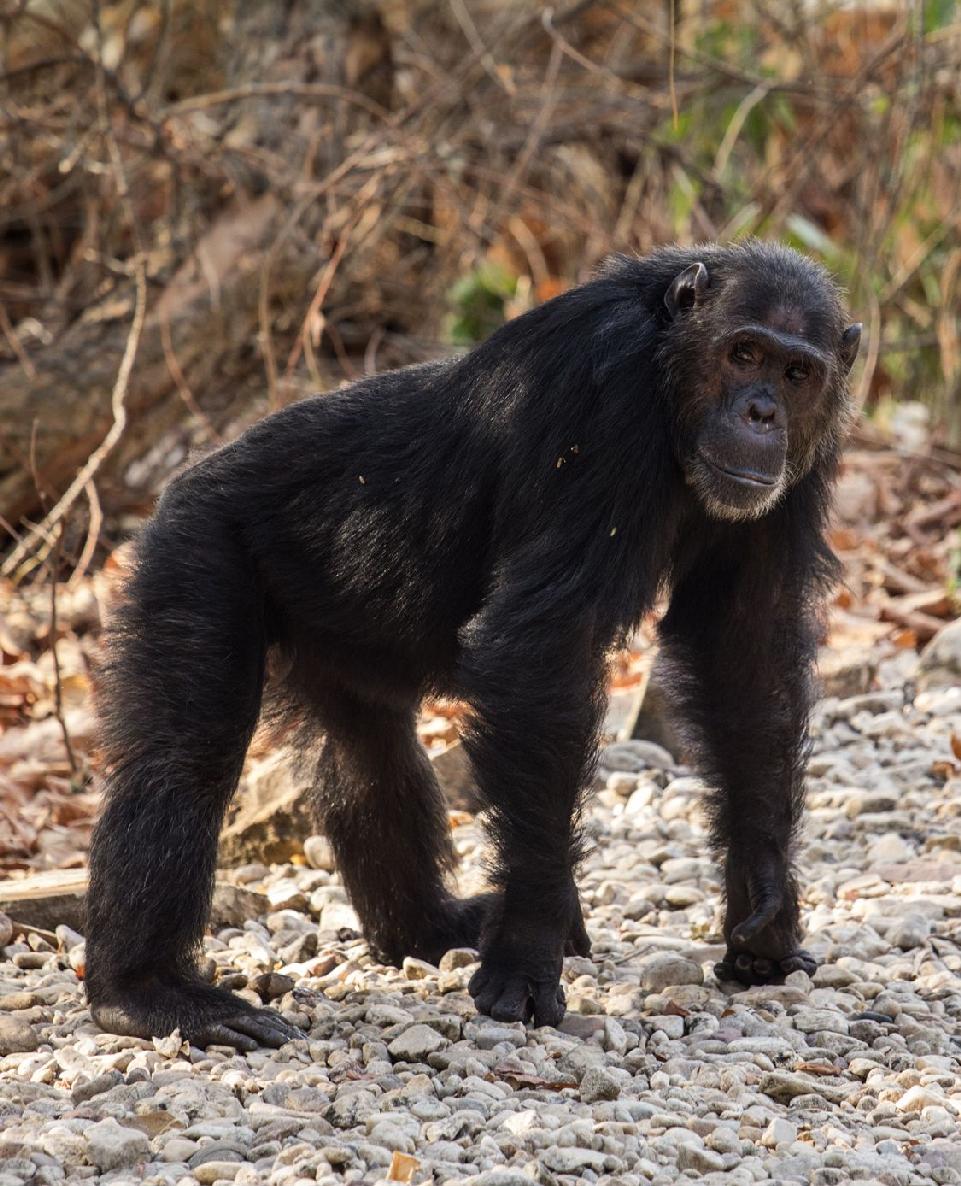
(799, 961)
(222, 1034)
(265, 1027)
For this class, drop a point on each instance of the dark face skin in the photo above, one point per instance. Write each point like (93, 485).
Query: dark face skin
(767, 392)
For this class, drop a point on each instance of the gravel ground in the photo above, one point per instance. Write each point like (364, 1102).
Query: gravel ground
(658, 1073)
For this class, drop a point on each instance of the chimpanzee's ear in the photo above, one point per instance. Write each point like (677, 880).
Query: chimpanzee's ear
(686, 289)
(850, 342)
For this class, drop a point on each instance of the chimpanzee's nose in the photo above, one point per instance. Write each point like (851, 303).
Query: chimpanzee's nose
(761, 412)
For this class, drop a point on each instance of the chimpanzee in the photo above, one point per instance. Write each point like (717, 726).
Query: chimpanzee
(486, 527)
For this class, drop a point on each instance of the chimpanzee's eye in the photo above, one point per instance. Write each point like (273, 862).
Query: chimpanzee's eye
(797, 372)
(745, 354)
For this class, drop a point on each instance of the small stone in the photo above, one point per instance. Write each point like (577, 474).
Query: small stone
(216, 1171)
(457, 957)
(698, 1159)
(503, 1177)
(96, 1086)
(598, 1085)
(813, 1021)
(615, 1038)
(916, 1098)
(779, 1132)
(582, 1026)
(890, 847)
(338, 916)
(940, 664)
(570, 1159)
(272, 985)
(319, 854)
(415, 969)
(522, 1122)
(178, 1149)
(665, 968)
(16, 1036)
(909, 932)
(784, 1086)
(490, 1035)
(669, 1024)
(6, 929)
(621, 784)
(112, 1147)
(415, 1043)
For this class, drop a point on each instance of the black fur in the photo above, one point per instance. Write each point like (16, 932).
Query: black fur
(486, 528)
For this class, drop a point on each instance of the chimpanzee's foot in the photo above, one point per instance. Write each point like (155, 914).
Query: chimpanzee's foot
(761, 927)
(204, 1015)
(461, 922)
(752, 969)
(448, 923)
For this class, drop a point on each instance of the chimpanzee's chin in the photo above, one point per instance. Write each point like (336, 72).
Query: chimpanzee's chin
(734, 494)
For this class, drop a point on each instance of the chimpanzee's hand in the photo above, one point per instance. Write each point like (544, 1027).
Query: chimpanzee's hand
(761, 926)
(205, 1016)
(521, 963)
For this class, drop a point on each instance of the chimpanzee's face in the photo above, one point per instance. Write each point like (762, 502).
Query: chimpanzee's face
(768, 391)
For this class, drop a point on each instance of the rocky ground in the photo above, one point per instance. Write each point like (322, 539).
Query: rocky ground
(659, 1073)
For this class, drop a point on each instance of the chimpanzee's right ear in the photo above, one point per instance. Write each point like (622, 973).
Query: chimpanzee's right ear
(686, 289)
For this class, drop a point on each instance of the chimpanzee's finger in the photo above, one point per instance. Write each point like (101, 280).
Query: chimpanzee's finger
(485, 988)
(550, 1005)
(514, 1002)
(764, 913)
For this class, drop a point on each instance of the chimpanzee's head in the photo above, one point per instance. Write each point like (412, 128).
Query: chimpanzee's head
(758, 353)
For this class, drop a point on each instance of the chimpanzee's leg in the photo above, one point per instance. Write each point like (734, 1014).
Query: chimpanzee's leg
(179, 697)
(739, 640)
(535, 689)
(379, 804)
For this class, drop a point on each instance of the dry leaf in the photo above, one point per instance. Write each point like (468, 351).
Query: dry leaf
(402, 1167)
(519, 1080)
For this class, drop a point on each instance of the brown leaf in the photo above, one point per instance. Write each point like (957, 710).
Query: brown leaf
(816, 1068)
(956, 746)
(535, 1082)
(402, 1167)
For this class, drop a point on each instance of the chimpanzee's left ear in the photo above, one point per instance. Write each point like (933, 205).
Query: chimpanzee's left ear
(850, 342)
(686, 289)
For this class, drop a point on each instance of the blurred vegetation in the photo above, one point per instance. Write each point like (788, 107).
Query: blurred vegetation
(322, 188)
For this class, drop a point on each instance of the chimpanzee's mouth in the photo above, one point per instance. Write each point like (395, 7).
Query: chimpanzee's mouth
(746, 477)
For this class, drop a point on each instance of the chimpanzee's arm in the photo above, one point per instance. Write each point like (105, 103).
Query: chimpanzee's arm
(533, 678)
(740, 641)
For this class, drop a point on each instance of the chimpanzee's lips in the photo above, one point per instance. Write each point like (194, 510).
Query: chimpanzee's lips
(746, 477)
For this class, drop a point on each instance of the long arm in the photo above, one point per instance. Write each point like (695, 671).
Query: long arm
(740, 640)
(532, 674)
